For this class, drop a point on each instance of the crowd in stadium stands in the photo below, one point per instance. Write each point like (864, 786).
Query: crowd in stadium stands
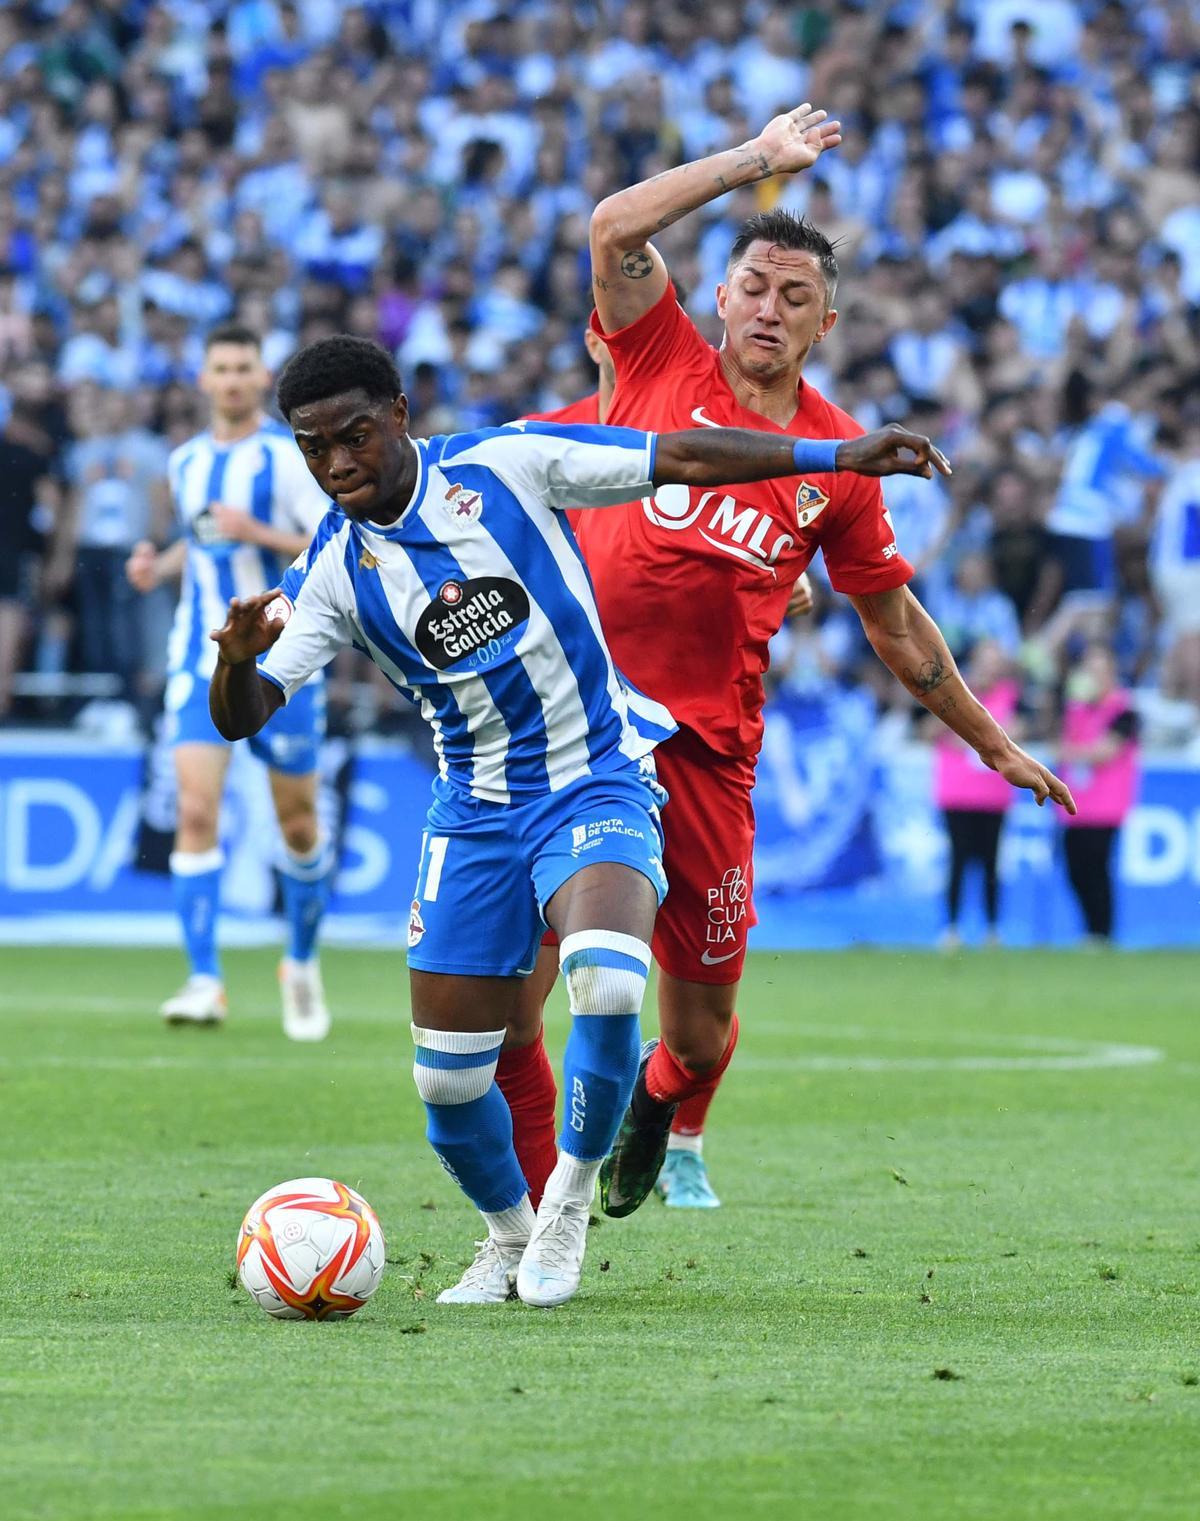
(1017, 202)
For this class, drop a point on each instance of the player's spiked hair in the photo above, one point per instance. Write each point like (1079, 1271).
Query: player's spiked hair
(232, 332)
(788, 231)
(334, 365)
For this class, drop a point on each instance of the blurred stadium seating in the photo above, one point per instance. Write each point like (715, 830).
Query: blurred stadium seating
(1018, 204)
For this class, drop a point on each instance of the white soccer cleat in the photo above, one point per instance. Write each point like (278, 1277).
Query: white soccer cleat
(490, 1279)
(200, 1001)
(552, 1264)
(305, 1015)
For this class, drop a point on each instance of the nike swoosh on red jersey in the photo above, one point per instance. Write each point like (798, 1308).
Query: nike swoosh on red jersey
(708, 960)
(706, 422)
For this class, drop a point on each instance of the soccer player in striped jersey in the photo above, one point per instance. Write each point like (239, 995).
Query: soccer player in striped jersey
(246, 506)
(450, 563)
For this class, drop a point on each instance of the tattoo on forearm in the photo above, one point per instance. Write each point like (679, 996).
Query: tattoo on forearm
(599, 282)
(930, 676)
(755, 161)
(636, 264)
(671, 217)
(723, 182)
(946, 705)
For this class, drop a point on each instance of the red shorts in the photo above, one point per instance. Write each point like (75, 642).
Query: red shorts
(700, 933)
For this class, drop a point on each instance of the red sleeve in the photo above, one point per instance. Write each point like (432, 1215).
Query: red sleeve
(859, 542)
(659, 341)
(585, 410)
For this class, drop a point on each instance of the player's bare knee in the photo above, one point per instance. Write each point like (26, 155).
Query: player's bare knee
(300, 832)
(196, 821)
(700, 1041)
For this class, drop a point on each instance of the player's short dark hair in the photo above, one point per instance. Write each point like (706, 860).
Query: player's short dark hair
(331, 366)
(788, 231)
(232, 332)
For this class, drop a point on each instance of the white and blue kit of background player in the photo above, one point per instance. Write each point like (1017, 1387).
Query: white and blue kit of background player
(265, 475)
(476, 605)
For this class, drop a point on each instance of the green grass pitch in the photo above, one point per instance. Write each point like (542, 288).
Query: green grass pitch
(955, 1276)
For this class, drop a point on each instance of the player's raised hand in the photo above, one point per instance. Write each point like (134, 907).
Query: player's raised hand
(234, 524)
(796, 140)
(251, 626)
(892, 451)
(1021, 770)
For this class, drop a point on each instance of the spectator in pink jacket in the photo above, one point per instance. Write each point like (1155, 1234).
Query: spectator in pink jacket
(1099, 762)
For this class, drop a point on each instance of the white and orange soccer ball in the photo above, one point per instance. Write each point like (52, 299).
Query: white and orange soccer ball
(311, 1249)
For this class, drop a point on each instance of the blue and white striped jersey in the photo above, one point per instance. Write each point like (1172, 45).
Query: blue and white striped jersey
(1176, 540)
(1106, 462)
(263, 474)
(477, 606)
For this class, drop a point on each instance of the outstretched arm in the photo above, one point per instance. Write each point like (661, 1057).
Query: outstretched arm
(724, 456)
(911, 645)
(628, 274)
(239, 699)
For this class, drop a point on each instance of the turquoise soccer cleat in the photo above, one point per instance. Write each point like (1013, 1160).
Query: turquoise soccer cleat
(683, 1182)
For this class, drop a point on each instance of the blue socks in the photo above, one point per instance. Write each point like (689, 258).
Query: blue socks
(599, 1068)
(196, 880)
(605, 972)
(306, 884)
(467, 1121)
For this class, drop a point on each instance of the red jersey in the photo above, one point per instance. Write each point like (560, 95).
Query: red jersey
(693, 582)
(585, 410)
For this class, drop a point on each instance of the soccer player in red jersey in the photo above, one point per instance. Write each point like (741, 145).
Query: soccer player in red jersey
(524, 1073)
(716, 568)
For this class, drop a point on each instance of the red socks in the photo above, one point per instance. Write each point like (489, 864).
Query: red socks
(526, 1079)
(692, 1112)
(670, 1082)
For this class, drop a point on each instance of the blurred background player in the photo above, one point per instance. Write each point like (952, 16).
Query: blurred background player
(246, 506)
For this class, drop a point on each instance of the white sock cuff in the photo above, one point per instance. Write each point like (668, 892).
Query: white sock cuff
(464, 1042)
(600, 940)
(453, 1066)
(309, 866)
(194, 863)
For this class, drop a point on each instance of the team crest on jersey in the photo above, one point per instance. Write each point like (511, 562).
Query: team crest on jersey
(463, 506)
(367, 561)
(811, 502)
(416, 925)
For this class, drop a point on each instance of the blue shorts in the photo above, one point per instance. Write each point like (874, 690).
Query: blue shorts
(288, 742)
(488, 869)
(1089, 566)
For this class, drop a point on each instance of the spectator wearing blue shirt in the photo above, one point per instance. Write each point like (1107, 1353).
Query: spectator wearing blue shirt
(973, 609)
(115, 474)
(1106, 461)
(1175, 571)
